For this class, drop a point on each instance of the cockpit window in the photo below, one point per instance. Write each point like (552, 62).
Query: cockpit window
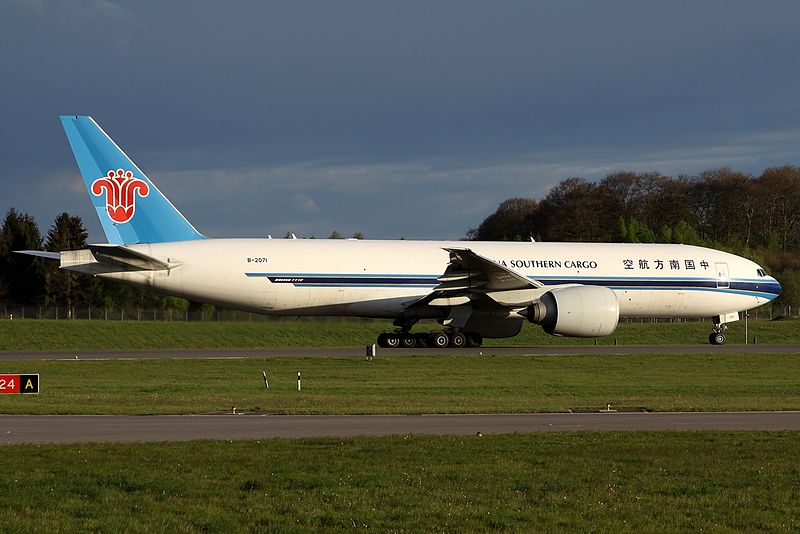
(761, 272)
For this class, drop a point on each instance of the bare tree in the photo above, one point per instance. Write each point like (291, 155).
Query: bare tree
(781, 187)
(573, 211)
(513, 220)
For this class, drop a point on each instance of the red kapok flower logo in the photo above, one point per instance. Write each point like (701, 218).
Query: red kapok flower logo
(121, 188)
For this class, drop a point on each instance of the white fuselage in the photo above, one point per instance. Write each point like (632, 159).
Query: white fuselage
(474, 289)
(382, 278)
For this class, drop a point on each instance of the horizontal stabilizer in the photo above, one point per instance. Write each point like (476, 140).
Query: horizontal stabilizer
(128, 258)
(41, 254)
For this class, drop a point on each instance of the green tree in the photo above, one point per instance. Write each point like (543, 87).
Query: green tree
(21, 276)
(685, 234)
(790, 284)
(635, 231)
(64, 287)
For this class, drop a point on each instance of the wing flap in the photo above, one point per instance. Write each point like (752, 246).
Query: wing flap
(453, 276)
(450, 301)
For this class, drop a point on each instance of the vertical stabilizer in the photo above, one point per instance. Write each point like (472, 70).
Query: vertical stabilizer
(130, 206)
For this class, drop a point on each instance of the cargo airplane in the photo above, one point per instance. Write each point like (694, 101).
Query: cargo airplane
(475, 290)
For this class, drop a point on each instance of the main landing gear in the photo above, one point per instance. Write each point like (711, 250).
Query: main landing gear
(717, 335)
(438, 340)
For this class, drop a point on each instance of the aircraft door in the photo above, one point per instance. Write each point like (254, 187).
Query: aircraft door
(723, 276)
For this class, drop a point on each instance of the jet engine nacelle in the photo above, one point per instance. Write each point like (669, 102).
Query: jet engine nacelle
(576, 311)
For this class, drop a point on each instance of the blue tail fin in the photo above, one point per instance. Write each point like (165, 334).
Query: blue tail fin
(130, 206)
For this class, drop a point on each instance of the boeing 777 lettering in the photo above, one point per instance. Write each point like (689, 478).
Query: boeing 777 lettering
(475, 290)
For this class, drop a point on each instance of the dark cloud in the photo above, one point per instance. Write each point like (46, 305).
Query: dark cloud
(412, 118)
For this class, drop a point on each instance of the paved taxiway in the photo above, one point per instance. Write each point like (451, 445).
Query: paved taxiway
(17, 429)
(359, 351)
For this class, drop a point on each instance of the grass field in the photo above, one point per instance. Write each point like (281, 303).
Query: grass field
(579, 482)
(32, 334)
(608, 482)
(423, 384)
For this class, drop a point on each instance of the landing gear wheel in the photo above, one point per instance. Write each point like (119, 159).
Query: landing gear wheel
(382, 340)
(392, 340)
(408, 341)
(422, 340)
(716, 338)
(474, 340)
(458, 340)
(439, 340)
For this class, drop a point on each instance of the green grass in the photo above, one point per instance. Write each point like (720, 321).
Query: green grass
(592, 482)
(32, 334)
(422, 384)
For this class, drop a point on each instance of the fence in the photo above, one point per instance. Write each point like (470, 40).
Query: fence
(211, 314)
(125, 314)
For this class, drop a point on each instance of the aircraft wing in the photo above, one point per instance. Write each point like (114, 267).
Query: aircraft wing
(474, 279)
(468, 270)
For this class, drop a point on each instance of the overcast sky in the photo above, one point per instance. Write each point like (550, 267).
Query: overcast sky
(408, 118)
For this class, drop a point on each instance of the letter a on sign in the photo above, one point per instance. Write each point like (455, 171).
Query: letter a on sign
(31, 384)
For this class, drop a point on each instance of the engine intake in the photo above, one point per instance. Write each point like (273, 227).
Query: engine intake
(576, 311)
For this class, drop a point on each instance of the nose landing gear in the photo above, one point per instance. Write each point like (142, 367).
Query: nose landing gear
(717, 335)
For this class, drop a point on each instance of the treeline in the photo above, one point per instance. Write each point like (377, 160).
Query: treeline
(30, 281)
(753, 216)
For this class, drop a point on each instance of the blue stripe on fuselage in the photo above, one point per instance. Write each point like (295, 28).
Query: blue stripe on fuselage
(739, 286)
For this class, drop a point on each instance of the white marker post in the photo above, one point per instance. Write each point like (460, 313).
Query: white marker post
(299, 385)
(266, 382)
(370, 352)
(746, 315)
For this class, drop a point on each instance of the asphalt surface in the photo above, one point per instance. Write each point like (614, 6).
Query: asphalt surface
(360, 351)
(24, 429)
